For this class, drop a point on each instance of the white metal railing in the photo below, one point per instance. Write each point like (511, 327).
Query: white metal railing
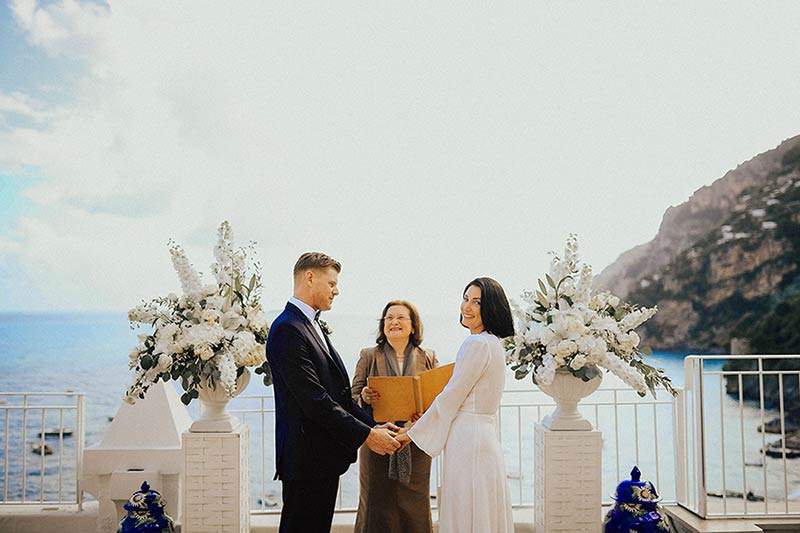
(636, 431)
(728, 465)
(42, 440)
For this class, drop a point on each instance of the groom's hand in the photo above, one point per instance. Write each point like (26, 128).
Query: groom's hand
(381, 441)
(389, 426)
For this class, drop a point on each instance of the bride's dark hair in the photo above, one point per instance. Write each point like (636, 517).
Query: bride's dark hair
(495, 311)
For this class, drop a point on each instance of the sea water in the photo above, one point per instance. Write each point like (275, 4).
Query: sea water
(88, 353)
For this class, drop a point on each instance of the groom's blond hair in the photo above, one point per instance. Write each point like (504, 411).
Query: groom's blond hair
(316, 261)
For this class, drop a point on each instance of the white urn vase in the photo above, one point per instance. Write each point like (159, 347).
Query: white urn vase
(214, 415)
(567, 390)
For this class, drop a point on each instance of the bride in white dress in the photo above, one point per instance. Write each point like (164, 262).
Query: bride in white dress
(462, 421)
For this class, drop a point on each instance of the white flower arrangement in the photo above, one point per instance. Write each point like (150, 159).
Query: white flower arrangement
(210, 332)
(566, 325)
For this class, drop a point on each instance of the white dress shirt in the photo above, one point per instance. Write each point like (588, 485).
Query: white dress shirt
(311, 313)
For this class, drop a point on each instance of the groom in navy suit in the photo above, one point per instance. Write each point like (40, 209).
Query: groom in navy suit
(318, 426)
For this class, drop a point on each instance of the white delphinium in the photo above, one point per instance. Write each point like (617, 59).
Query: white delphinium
(223, 253)
(227, 374)
(584, 288)
(625, 372)
(636, 318)
(559, 269)
(188, 276)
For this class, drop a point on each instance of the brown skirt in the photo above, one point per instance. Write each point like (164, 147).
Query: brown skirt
(388, 506)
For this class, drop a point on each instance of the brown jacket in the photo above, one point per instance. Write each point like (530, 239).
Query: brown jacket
(371, 362)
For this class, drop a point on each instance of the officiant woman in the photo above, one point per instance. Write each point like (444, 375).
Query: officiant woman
(395, 489)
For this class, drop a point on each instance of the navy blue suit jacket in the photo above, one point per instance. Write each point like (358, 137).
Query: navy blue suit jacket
(318, 426)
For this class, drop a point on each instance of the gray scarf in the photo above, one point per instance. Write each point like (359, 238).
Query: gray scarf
(400, 462)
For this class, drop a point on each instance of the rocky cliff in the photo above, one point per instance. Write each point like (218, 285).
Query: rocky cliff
(722, 260)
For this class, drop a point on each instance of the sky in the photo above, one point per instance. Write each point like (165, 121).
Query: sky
(421, 144)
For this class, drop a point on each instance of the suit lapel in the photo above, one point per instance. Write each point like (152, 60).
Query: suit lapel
(325, 347)
(380, 361)
(334, 355)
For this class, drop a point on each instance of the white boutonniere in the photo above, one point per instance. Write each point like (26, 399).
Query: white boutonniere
(326, 329)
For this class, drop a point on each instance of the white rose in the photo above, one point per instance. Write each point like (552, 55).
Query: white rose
(565, 349)
(162, 348)
(585, 343)
(598, 350)
(203, 351)
(613, 301)
(166, 333)
(164, 363)
(257, 321)
(578, 362)
(210, 315)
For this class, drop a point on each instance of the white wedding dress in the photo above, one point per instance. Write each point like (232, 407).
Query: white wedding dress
(462, 421)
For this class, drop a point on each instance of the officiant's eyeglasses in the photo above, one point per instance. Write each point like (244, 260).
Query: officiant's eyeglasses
(398, 318)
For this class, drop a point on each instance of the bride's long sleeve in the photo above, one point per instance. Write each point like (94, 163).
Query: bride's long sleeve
(429, 433)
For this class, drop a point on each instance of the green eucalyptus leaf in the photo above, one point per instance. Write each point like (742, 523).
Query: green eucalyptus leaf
(146, 362)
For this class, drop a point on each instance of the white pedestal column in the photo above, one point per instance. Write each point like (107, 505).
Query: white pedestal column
(216, 485)
(568, 480)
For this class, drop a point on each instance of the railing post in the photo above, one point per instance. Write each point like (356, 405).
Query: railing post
(679, 435)
(81, 430)
(694, 382)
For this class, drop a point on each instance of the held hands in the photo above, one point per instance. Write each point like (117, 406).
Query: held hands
(403, 438)
(402, 435)
(381, 439)
(369, 395)
(390, 426)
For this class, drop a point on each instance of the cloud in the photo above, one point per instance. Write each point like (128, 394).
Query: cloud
(65, 28)
(8, 246)
(420, 148)
(17, 103)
